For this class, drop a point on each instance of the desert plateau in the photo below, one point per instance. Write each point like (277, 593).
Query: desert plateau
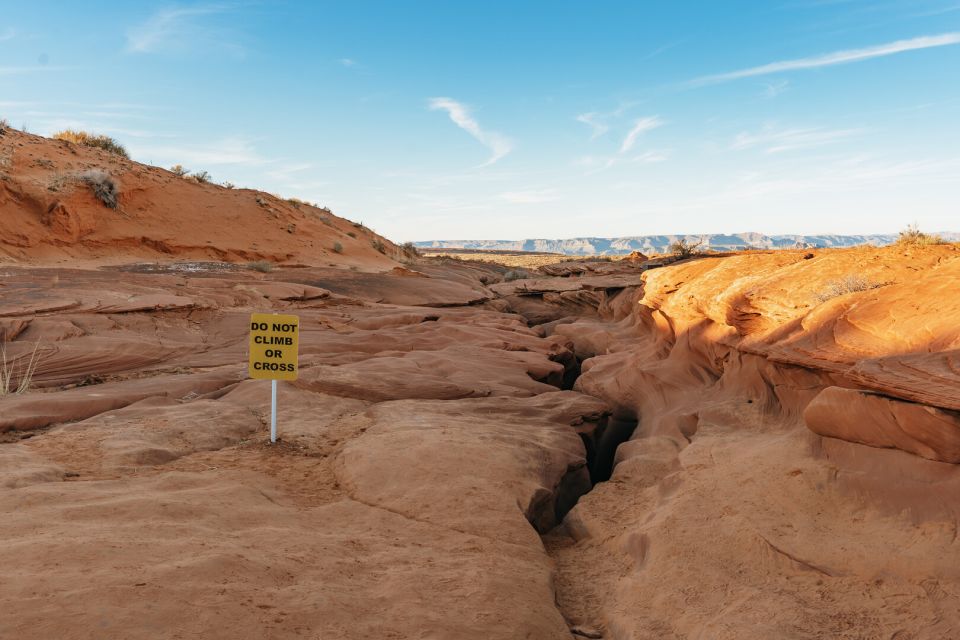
(617, 429)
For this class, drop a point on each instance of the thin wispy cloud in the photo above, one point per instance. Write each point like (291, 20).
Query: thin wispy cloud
(640, 127)
(598, 121)
(649, 157)
(530, 196)
(776, 140)
(180, 29)
(773, 89)
(835, 58)
(596, 164)
(592, 120)
(8, 34)
(937, 12)
(659, 50)
(498, 144)
(348, 62)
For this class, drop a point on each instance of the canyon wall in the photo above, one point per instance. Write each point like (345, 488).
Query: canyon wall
(792, 473)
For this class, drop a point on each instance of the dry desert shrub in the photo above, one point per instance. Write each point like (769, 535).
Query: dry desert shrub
(912, 236)
(179, 170)
(848, 284)
(515, 274)
(201, 177)
(102, 185)
(377, 244)
(262, 266)
(683, 249)
(337, 247)
(96, 141)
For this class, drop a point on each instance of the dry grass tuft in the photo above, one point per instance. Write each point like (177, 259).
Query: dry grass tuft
(103, 186)
(913, 237)
(96, 141)
(849, 284)
(12, 370)
(263, 266)
(515, 274)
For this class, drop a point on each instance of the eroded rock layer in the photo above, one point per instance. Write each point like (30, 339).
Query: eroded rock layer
(423, 449)
(780, 452)
(791, 475)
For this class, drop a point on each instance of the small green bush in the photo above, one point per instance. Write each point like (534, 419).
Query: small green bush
(96, 141)
(337, 247)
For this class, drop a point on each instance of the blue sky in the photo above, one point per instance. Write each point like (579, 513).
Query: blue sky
(511, 119)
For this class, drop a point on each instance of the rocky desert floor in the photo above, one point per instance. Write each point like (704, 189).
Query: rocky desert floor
(619, 453)
(761, 445)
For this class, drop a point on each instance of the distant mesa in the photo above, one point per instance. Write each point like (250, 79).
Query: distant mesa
(661, 244)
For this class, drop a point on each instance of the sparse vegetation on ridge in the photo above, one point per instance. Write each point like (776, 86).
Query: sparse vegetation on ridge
(87, 139)
(103, 186)
(201, 177)
(683, 249)
(849, 284)
(179, 170)
(912, 236)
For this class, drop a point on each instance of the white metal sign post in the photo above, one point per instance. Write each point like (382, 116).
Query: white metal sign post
(274, 350)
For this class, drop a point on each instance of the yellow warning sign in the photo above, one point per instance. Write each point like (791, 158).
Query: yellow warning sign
(274, 341)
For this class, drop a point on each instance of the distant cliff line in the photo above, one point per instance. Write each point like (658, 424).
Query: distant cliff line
(660, 244)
